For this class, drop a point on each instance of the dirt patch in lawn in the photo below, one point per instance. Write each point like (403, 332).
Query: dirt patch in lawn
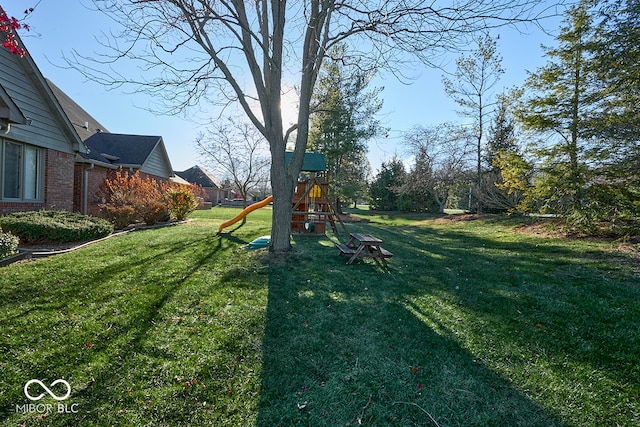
(352, 218)
(544, 228)
(459, 217)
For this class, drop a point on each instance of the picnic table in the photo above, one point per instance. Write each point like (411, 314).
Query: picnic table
(364, 246)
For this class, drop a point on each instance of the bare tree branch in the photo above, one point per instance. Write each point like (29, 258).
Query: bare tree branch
(238, 152)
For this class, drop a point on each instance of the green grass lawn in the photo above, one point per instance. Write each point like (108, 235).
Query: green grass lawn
(471, 324)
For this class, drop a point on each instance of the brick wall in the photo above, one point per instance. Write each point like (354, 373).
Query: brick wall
(77, 188)
(97, 175)
(58, 180)
(95, 178)
(10, 207)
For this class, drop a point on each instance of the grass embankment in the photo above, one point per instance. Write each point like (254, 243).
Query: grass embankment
(472, 324)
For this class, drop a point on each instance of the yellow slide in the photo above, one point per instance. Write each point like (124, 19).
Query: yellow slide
(246, 211)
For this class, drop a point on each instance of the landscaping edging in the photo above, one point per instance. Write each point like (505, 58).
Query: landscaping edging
(14, 258)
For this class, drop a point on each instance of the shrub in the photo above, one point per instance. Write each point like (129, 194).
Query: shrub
(119, 206)
(131, 198)
(55, 226)
(608, 210)
(154, 211)
(181, 201)
(119, 216)
(8, 244)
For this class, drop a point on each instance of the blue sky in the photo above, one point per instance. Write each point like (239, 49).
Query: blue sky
(57, 29)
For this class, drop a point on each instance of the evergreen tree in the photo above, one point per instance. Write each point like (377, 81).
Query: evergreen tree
(501, 151)
(343, 121)
(615, 190)
(501, 135)
(618, 66)
(385, 188)
(565, 94)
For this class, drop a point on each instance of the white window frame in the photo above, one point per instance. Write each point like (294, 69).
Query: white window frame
(24, 172)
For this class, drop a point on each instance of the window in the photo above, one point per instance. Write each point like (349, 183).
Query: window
(31, 168)
(21, 172)
(11, 167)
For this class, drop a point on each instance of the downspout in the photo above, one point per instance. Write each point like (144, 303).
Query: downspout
(85, 188)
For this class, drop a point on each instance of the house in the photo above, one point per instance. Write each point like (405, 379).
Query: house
(216, 191)
(107, 152)
(55, 155)
(110, 151)
(38, 144)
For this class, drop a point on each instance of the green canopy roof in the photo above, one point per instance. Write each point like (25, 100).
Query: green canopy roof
(313, 162)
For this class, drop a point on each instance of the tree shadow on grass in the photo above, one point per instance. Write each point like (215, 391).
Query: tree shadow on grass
(454, 330)
(107, 337)
(341, 347)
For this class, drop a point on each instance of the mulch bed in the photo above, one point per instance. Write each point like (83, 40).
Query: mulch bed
(50, 246)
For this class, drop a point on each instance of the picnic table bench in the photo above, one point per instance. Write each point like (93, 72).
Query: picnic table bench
(368, 246)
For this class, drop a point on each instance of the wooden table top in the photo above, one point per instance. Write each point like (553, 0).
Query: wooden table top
(366, 239)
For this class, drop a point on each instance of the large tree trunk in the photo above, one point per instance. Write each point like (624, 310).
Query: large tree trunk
(281, 222)
(282, 186)
(285, 177)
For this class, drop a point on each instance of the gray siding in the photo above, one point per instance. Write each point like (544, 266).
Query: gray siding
(157, 163)
(23, 85)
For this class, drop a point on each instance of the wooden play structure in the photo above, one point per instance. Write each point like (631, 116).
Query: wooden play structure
(312, 208)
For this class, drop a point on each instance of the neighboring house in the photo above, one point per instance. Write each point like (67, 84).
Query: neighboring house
(38, 144)
(108, 152)
(215, 190)
(53, 154)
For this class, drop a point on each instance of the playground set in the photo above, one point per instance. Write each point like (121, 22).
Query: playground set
(312, 209)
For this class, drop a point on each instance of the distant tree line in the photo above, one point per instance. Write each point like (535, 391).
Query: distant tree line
(567, 143)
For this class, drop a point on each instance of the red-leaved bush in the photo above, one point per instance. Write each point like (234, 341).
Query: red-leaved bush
(130, 198)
